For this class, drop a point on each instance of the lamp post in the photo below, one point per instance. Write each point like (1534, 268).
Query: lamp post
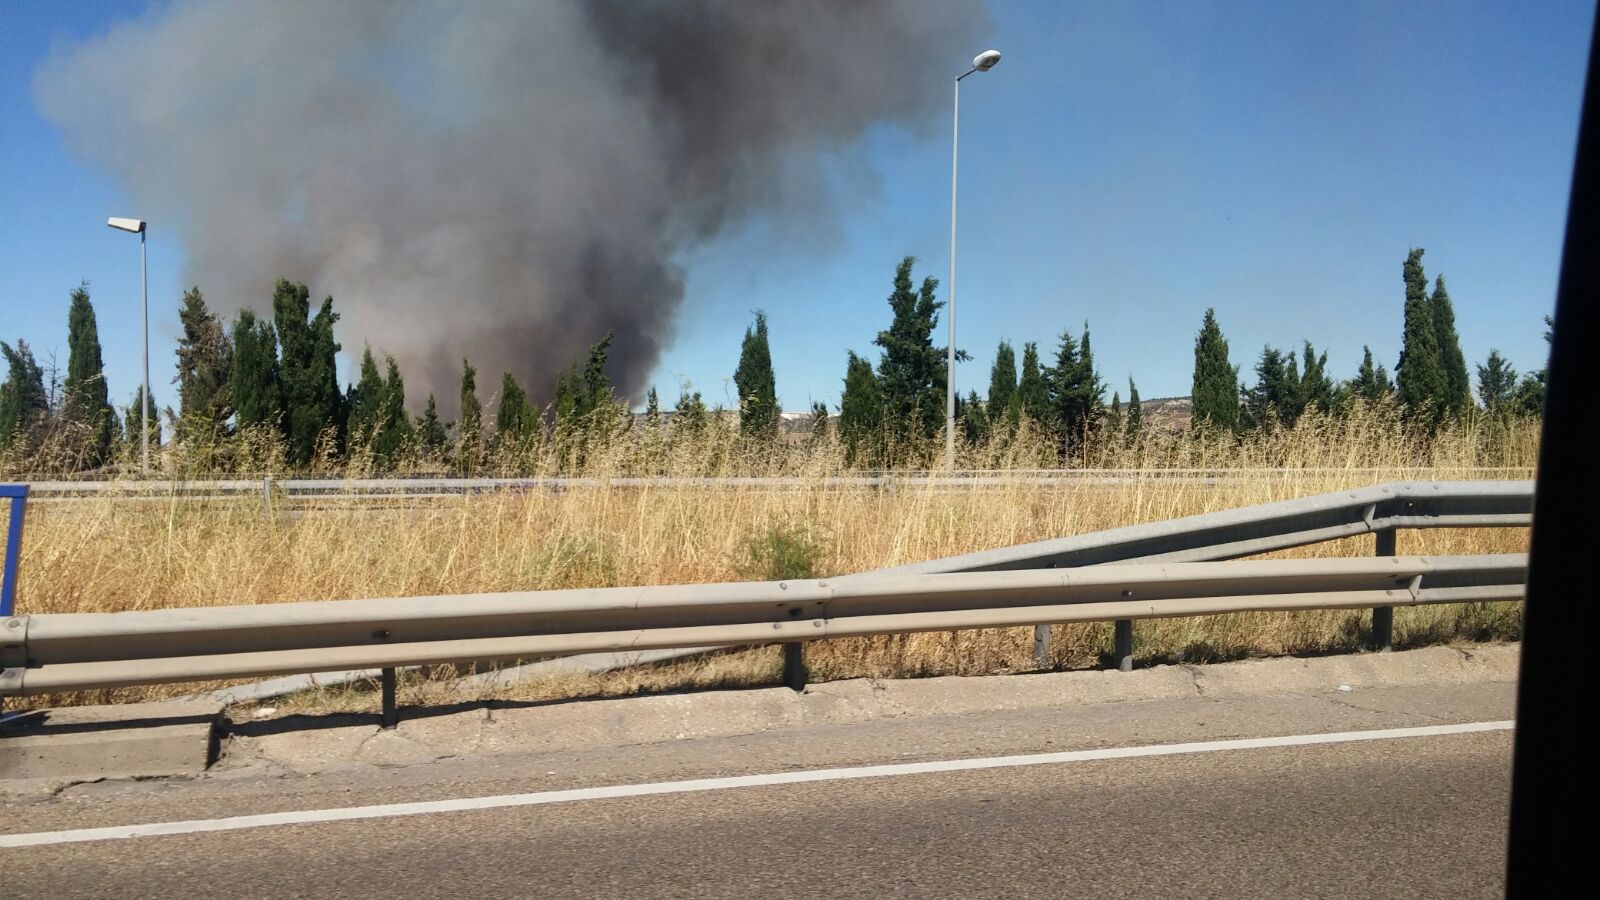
(983, 62)
(137, 226)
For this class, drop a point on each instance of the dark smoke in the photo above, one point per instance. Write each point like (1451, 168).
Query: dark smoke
(496, 180)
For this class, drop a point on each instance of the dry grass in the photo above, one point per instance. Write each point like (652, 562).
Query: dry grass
(110, 554)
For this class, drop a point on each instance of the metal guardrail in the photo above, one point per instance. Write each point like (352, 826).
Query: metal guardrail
(1380, 510)
(1168, 568)
(78, 651)
(423, 488)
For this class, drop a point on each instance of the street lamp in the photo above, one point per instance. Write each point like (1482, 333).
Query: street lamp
(137, 226)
(983, 62)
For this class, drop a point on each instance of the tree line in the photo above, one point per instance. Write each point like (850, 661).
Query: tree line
(274, 378)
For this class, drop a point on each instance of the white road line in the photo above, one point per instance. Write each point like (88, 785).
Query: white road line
(464, 804)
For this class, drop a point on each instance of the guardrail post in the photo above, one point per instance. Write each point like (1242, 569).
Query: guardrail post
(391, 709)
(18, 495)
(1122, 645)
(794, 666)
(1383, 616)
(266, 497)
(1041, 646)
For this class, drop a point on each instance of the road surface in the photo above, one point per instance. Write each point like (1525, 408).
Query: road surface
(1336, 812)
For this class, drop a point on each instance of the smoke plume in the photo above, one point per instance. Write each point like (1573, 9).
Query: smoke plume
(501, 181)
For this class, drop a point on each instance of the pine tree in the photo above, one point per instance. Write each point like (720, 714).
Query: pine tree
(1420, 377)
(1002, 407)
(1033, 393)
(861, 413)
(1075, 390)
(130, 420)
(652, 409)
(911, 372)
(1457, 396)
(312, 400)
(254, 379)
(973, 417)
(469, 436)
(205, 363)
(689, 416)
(819, 423)
(1497, 383)
(367, 404)
(1214, 396)
(1370, 384)
(24, 405)
(1272, 398)
(1135, 413)
(1529, 400)
(432, 434)
(87, 403)
(758, 392)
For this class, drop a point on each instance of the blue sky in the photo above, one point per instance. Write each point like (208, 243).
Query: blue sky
(1125, 164)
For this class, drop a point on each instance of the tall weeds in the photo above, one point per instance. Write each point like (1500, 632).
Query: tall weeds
(117, 553)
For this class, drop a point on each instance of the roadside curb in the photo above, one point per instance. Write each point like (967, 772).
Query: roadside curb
(138, 740)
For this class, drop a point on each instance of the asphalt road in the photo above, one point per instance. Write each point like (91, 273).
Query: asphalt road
(1419, 816)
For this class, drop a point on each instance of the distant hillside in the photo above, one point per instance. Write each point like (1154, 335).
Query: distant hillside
(1166, 413)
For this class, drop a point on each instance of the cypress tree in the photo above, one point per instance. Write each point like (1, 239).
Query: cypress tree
(1457, 396)
(367, 403)
(1033, 394)
(394, 432)
(87, 400)
(24, 405)
(580, 393)
(1003, 387)
(205, 363)
(1214, 396)
(597, 387)
(1371, 383)
(254, 378)
(1420, 379)
(1114, 414)
(311, 397)
(1092, 390)
(516, 418)
(469, 437)
(861, 412)
(1135, 413)
(1315, 388)
(911, 372)
(758, 391)
(432, 434)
